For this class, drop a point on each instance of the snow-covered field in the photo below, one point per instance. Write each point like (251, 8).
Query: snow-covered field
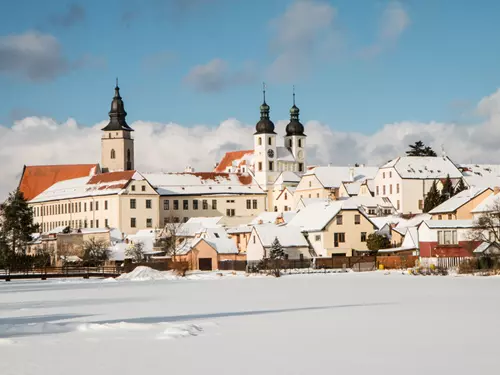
(367, 323)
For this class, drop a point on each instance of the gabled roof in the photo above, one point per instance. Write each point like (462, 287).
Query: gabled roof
(287, 176)
(233, 159)
(284, 154)
(203, 183)
(268, 217)
(288, 236)
(332, 177)
(424, 167)
(457, 201)
(102, 184)
(449, 224)
(38, 178)
(491, 203)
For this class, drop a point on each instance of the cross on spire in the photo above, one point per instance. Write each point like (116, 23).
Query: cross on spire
(293, 94)
(264, 91)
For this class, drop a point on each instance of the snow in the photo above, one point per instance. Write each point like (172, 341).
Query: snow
(424, 167)
(288, 236)
(489, 204)
(437, 224)
(381, 323)
(271, 216)
(457, 201)
(332, 177)
(284, 154)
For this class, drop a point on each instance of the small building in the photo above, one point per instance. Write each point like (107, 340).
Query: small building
(291, 239)
(446, 238)
(460, 206)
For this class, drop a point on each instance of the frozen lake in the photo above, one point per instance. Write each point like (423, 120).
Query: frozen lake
(367, 323)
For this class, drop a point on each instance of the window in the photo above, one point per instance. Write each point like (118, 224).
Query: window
(357, 219)
(271, 165)
(300, 142)
(185, 204)
(420, 204)
(447, 237)
(105, 205)
(338, 238)
(80, 207)
(106, 223)
(254, 204)
(286, 196)
(339, 219)
(254, 238)
(185, 220)
(317, 238)
(377, 191)
(230, 212)
(317, 195)
(310, 184)
(259, 141)
(97, 223)
(398, 205)
(149, 223)
(166, 204)
(133, 187)
(390, 189)
(275, 208)
(390, 174)
(260, 166)
(371, 211)
(397, 188)
(383, 190)
(132, 204)
(148, 203)
(97, 206)
(363, 236)
(290, 143)
(128, 155)
(440, 217)
(383, 174)
(269, 141)
(301, 167)
(85, 223)
(143, 187)
(249, 204)
(176, 204)
(214, 204)
(230, 201)
(449, 217)
(204, 204)
(113, 154)
(132, 222)
(195, 204)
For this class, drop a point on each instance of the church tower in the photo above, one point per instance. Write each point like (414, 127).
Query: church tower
(295, 139)
(265, 150)
(117, 145)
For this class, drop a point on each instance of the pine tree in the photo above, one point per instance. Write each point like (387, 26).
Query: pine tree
(447, 192)
(276, 251)
(460, 187)
(420, 149)
(432, 199)
(17, 222)
(376, 241)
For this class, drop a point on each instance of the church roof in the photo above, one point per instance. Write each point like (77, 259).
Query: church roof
(117, 114)
(38, 178)
(232, 158)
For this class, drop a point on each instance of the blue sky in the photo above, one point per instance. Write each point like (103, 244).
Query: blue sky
(356, 64)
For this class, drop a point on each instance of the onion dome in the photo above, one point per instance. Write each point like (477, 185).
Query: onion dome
(294, 127)
(265, 125)
(117, 113)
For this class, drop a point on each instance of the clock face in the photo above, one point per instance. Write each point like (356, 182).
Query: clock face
(270, 153)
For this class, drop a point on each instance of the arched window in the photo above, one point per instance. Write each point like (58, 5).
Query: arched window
(290, 143)
(128, 155)
(300, 142)
(113, 154)
(109, 135)
(270, 141)
(260, 141)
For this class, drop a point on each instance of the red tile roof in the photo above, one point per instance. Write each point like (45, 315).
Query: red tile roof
(38, 178)
(228, 159)
(111, 177)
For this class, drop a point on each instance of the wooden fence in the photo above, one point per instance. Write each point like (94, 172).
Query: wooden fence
(397, 261)
(356, 263)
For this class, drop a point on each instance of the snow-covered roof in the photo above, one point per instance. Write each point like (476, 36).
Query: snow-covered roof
(487, 248)
(101, 184)
(146, 236)
(332, 177)
(195, 224)
(457, 201)
(271, 216)
(366, 201)
(412, 222)
(491, 203)
(219, 240)
(287, 177)
(239, 229)
(449, 224)
(315, 217)
(204, 183)
(353, 187)
(381, 221)
(424, 167)
(288, 236)
(235, 160)
(284, 154)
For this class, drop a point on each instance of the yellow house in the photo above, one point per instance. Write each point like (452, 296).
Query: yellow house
(460, 206)
(334, 227)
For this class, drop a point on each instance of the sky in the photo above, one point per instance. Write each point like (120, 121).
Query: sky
(369, 75)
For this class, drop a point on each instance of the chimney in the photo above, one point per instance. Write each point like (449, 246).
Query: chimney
(496, 190)
(189, 169)
(351, 174)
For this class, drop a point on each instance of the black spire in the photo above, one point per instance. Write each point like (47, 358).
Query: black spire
(265, 125)
(117, 113)
(294, 127)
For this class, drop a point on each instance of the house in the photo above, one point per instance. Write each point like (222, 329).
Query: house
(446, 238)
(487, 249)
(409, 245)
(285, 200)
(485, 175)
(407, 180)
(460, 206)
(291, 239)
(399, 230)
(357, 188)
(489, 205)
(325, 182)
(334, 227)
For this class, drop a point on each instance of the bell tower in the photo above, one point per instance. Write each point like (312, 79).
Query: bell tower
(117, 144)
(295, 139)
(265, 150)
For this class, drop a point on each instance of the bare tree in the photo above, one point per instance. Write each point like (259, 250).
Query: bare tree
(95, 252)
(173, 240)
(487, 226)
(136, 252)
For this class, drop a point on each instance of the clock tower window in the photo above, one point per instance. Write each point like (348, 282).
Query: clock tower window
(260, 141)
(271, 165)
(270, 141)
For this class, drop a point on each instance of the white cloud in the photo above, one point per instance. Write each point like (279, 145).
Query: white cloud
(393, 22)
(301, 34)
(171, 147)
(216, 75)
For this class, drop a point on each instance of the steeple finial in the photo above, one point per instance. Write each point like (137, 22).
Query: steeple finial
(293, 94)
(116, 82)
(264, 91)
